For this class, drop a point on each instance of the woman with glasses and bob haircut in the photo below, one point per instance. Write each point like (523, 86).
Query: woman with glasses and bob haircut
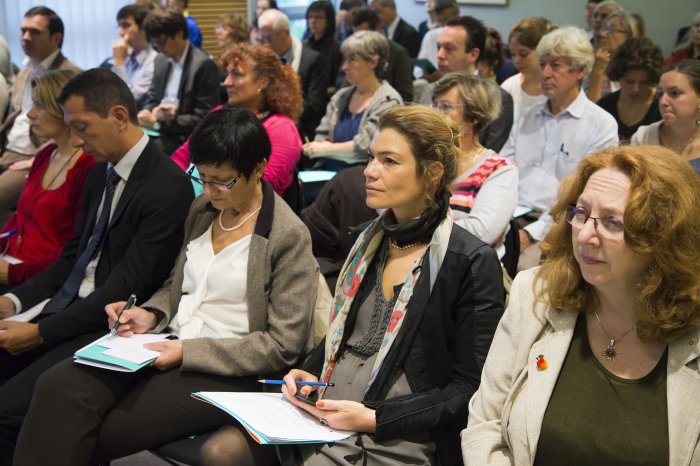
(240, 297)
(597, 356)
(485, 191)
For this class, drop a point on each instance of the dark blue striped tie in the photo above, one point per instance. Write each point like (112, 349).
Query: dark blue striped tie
(71, 286)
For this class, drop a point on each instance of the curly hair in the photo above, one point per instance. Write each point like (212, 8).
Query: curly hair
(661, 222)
(283, 92)
(638, 53)
(433, 137)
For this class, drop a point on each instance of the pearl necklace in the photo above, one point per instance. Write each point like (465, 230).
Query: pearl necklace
(236, 227)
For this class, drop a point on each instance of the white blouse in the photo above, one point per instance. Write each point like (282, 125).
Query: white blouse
(521, 100)
(214, 292)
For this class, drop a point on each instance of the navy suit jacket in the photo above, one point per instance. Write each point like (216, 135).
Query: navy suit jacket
(140, 246)
(406, 35)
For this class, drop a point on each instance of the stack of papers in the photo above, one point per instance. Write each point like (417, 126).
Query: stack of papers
(125, 354)
(271, 419)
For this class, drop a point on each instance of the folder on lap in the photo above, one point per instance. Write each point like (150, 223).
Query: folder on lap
(125, 354)
(272, 420)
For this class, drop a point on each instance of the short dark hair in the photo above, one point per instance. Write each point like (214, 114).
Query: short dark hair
(638, 53)
(366, 16)
(230, 137)
(101, 90)
(476, 31)
(55, 22)
(138, 12)
(165, 22)
(325, 7)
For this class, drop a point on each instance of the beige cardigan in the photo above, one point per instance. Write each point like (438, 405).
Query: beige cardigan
(281, 291)
(505, 432)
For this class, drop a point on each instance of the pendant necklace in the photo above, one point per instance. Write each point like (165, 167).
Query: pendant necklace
(236, 227)
(610, 352)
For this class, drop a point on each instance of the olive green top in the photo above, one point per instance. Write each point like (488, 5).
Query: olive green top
(596, 417)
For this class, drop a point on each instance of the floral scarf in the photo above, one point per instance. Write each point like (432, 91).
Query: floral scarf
(351, 276)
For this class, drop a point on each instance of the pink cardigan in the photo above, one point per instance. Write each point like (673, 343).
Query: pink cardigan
(286, 150)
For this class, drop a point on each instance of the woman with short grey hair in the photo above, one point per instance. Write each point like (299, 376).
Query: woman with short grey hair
(343, 137)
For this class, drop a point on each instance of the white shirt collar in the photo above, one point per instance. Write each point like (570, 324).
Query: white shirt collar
(181, 60)
(126, 164)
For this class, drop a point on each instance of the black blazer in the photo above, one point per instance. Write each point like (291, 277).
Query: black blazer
(495, 135)
(406, 35)
(197, 95)
(314, 74)
(140, 246)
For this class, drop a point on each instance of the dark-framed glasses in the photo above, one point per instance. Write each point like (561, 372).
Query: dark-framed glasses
(445, 107)
(607, 227)
(212, 184)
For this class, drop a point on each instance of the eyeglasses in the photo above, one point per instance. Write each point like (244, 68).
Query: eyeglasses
(446, 106)
(212, 184)
(609, 227)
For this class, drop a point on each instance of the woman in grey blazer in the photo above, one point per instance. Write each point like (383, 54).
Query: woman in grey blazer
(596, 358)
(240, 296)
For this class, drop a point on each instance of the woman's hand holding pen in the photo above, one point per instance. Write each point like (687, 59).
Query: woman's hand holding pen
(337, 414)
(170, 354)
(131, 321)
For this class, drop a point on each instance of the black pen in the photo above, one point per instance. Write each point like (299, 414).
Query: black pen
(129, 304)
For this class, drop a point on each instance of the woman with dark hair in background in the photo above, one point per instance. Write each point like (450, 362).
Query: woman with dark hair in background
(491, 58)
(320, 21)
(256, 80)
(679, 103)
(636, 65)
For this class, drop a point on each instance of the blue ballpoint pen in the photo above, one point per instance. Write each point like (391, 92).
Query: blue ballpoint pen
(298, 382)
(129, 304)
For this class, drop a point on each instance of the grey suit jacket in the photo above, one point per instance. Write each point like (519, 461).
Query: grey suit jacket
(503, 432)
(281, 292)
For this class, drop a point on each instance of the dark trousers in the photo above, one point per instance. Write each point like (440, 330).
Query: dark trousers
(18, 375)
(82, 415)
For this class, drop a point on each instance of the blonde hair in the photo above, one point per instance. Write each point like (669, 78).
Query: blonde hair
(433, 137)
(48, 86)
(661, 222)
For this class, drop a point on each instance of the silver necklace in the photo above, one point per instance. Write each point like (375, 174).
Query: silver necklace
(610, 352)
(236, 227)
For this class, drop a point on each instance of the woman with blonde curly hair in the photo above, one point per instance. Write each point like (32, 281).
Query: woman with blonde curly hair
(597, 354)
(257, 81)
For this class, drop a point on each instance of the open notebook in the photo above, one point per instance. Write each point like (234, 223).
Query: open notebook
(270, 419)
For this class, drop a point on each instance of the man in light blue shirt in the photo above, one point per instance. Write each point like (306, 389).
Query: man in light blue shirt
(548, 140)
(133, 56)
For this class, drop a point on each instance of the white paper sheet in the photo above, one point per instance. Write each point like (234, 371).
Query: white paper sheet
(11, 259)
(131, 348)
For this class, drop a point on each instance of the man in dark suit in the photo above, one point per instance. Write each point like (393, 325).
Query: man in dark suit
(314, 74)
(186, 82)
(128, 234)
(396, 28)
(399, 72)
(459, 44)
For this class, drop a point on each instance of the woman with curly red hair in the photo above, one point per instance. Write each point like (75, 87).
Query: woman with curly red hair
(257, 81)
(595, 361)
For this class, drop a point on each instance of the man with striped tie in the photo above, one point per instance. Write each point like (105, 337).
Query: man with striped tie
(126, 239)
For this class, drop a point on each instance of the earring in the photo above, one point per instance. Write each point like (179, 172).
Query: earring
(259, 90)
